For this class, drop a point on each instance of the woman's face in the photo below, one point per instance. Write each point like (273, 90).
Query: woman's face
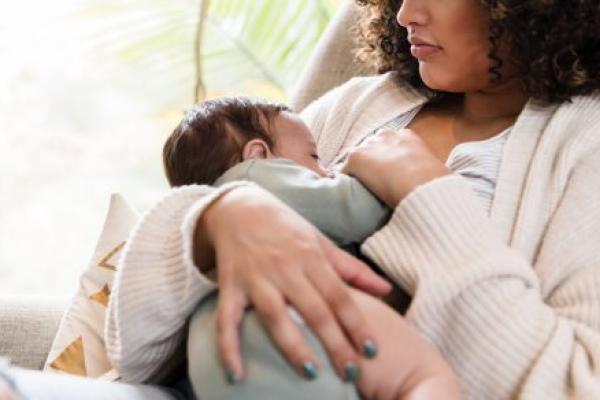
(450, 40)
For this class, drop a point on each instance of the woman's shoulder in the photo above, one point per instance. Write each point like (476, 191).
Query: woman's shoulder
(579, 118)
(573, 129)
(581, 105)
(360, 87)
(351, 99)
(386, 82)
(361, 103)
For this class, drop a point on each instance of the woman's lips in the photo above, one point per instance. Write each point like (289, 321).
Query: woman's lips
(423, 51)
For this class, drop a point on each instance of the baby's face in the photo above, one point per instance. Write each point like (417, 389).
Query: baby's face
(295, 142)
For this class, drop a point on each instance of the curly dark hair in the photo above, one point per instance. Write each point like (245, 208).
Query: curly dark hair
(554, 44)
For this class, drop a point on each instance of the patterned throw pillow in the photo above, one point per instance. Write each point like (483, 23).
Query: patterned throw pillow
(78, 347)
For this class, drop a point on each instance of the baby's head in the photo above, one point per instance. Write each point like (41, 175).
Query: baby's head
(217, 134)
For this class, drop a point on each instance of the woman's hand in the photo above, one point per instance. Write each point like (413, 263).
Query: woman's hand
(267, 256)
(391, 164)
(408, 367)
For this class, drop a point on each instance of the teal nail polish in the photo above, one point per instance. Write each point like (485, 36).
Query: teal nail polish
(352, 372)
(310, 371)
(230, 376)
(370, 349)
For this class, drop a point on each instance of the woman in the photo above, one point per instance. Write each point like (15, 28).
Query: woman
(502, 267)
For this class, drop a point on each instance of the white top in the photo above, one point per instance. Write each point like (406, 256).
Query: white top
(510, 299)
(476, 161)
(479, 163)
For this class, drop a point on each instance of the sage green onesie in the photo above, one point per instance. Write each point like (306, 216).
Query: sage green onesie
(341, 208)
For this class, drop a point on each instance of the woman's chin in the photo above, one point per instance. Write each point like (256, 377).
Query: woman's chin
(440, 84)
(434, 80)
(439, 79)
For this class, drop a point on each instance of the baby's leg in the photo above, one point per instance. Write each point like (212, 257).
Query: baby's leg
(406, 367)
(268, 376)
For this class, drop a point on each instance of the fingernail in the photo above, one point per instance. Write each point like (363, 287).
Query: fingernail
(370, 349)
(230, 376)
(352, 372)
(310, 371)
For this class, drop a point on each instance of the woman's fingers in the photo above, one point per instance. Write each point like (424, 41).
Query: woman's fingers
(298, 265)
(230, 309)
(346, 312)
(315, 311)
(354, 271)
(275, 316)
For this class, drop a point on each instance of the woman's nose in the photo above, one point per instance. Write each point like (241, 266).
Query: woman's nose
(412, 13)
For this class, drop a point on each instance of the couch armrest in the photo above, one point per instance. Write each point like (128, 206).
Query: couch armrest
(28, 326)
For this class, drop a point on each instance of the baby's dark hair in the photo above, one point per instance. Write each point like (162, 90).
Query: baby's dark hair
(210, 138)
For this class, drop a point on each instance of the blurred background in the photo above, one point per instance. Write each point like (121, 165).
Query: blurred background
(90, 89)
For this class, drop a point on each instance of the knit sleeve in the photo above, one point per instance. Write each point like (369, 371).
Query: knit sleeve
(509, 329)
(157, 285)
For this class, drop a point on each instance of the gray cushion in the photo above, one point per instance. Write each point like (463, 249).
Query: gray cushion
(332, 63)
(27, 327)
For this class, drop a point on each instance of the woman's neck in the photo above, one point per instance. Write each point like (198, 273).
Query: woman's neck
(504, 101)
(458, 118)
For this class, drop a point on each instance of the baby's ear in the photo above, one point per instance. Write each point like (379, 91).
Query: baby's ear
(256, 149)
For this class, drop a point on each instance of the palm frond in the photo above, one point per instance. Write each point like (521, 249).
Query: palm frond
(272, 40)
(196, 47)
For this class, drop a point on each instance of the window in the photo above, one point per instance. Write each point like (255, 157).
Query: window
(89, 89)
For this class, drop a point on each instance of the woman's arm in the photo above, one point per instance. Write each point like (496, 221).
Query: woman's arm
(166, 233)
(508, 328)
(156, 286)
(159, 279)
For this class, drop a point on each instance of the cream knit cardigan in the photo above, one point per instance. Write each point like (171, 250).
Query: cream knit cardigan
(511, 300)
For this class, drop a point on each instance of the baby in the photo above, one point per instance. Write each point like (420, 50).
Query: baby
(239, 138)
